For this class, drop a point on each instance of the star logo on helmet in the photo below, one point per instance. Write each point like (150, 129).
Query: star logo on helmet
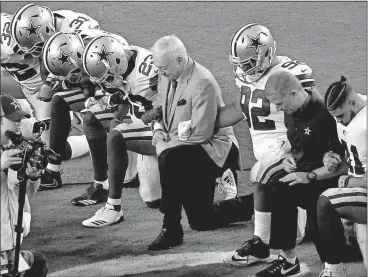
(15, 103)
(255, 42)
(32, 29)
(64, 58)
(103, 55)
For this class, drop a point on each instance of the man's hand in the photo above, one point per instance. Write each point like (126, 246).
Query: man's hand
(158, 136)
(332, 161)
(289, 163)
(8, 159)
(152, 114)
(46, 93)
(296, 178)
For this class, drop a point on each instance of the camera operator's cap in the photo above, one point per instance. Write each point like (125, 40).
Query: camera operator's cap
(11, 109)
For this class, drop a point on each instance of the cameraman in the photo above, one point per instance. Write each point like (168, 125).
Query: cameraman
(31, 264)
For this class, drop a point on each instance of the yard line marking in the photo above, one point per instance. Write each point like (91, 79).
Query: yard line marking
(147, 263)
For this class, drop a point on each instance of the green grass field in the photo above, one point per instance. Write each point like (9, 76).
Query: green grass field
(331, 37)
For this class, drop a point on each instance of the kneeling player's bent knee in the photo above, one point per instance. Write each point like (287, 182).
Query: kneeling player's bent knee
(89, 118)
(58, 105)
(323, 204)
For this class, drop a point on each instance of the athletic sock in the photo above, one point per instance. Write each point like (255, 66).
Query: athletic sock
(116, 203)
(105, 184)
(53, 167)
(262, 226)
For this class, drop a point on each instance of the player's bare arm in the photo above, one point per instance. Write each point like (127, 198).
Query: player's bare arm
(230, 114)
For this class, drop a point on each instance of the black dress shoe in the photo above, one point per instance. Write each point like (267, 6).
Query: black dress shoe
(154, 204)
(167, 239)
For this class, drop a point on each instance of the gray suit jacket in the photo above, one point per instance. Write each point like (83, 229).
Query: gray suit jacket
(197, 98)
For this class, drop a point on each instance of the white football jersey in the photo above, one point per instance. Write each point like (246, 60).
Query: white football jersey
(88, 34)
(266, 124)
(354, 138)
(25, 69)
(67, 21)
(141, 82)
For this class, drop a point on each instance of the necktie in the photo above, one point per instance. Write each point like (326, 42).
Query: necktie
(170, 97)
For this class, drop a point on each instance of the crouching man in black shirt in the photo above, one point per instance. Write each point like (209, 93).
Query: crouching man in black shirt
(298, 179)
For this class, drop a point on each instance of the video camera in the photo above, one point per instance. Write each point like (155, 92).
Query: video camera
(34, 152)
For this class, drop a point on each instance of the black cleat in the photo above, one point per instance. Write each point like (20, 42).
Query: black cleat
(50, 180)
(95, 194)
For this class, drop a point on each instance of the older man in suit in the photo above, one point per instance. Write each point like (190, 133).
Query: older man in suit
(191, 153)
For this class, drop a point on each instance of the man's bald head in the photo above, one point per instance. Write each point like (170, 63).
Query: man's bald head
(285, 91)
(282, 82)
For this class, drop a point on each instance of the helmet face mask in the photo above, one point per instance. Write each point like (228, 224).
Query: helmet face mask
(105, 61)
(62, 57)
(252, 51)
(31, 26)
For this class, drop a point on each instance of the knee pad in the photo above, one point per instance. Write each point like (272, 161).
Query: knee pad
(149, 178)
(58, 105)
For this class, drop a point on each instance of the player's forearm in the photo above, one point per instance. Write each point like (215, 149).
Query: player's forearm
(357, 182)
(322, 172)
(228, 116)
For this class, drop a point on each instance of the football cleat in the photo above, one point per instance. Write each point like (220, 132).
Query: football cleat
(251, 251)
(50, 180)
(167, 239)
(95, 194)
(105, 216)
(280, 268)
(227, 184)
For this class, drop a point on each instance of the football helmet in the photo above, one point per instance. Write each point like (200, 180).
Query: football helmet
(31, 26)
(105, 61)
(62, 56)
(252, 51)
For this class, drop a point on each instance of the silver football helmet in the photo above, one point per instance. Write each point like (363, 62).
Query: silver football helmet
(31, 26)
(105, 61)
(252, 51)
(62, 56)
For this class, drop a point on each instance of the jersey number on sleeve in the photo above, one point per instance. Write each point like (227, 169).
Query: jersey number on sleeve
(291, 64)
(358, 168)
(77, 22)
(21, 72)
(262, 108)
(5, 35)
(146, 66)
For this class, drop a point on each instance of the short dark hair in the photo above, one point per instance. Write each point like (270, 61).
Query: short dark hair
(336, 94)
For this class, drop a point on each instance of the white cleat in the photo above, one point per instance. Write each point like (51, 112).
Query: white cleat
(227, 184)
(105, 216)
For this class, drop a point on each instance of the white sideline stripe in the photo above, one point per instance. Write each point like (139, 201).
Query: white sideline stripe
(147, 263)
